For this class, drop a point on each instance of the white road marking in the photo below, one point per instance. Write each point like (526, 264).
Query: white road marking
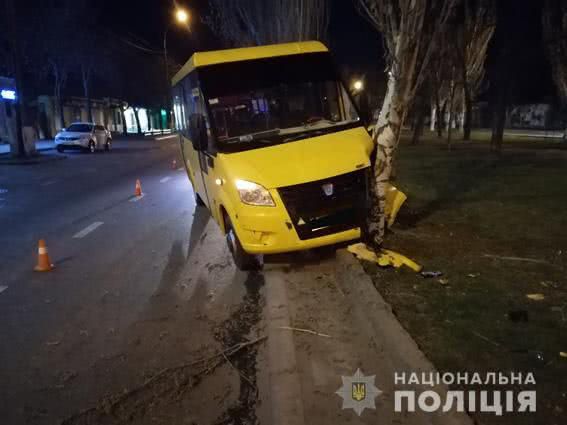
(137, 198)
(88, 230)
(48, 183)
(3, 288)
(166, 137)
(165, 179)
(2, 190)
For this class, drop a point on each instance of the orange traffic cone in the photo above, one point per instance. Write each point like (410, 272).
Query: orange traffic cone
(43, 261)
(138, 191)
(174, 164)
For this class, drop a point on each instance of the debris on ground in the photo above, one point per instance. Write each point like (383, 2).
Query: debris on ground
(473, 275)
(549, 284)
(535, 297)
(183, 378)
(518, 316)
(52, 343)
(563, 354)
(443, 281)
(308, 331)
(384, 258)
(560, 310)
(507, 258)
(431, 274)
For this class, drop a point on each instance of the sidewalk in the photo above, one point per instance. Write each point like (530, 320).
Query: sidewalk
(40, 145)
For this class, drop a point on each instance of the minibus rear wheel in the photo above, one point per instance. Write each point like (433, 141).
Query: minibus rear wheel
(242, 259)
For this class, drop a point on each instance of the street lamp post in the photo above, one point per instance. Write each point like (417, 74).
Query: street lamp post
(181, 17)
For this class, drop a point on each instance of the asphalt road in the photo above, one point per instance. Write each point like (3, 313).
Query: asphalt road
(103, 278)
(145, 319)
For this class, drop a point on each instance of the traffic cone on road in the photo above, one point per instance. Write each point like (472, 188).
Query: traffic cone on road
(174, 164)
(138, 191)
(43, 261)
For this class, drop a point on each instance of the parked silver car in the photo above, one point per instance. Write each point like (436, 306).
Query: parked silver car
(84, 136)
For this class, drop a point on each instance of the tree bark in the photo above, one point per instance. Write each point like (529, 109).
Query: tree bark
(419, 122)
(439, 111)
(19, 105)
(123, 118)
(386, 136)
(467, 124)
(498, 123)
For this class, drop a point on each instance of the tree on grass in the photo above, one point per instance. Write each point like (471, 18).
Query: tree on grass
(410, 30)
(555, 39)
(474, 35)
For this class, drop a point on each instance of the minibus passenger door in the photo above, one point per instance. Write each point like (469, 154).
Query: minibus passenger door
(199, 139)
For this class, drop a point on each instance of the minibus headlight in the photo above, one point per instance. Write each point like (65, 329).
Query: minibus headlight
(254, 194)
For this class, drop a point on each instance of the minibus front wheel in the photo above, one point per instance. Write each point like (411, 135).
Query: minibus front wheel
(242, 259)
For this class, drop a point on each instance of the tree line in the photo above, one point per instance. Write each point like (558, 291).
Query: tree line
(63, 50)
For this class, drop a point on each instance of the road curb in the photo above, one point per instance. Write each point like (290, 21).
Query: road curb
(6, 159)
(376, 315)
(285, 389)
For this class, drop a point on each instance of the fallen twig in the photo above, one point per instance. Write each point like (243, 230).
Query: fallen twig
(527, 260)
(247, 379)
(308, 331)
(486, 339)
(108, 404)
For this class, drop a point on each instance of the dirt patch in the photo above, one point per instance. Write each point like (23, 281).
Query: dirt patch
(236, 328)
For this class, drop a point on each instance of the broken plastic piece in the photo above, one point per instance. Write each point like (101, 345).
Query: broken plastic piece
(536, 297)
(431, 274)
(384, 257)
(394, 200)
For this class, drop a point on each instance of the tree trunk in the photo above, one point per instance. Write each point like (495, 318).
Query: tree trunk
(86, 94)
(498, 123)
(386, 134)
(19, 105)
(451, 115)
(138, 126)
(419, 122)
(123, 118)
(467, 122)
(439, 111)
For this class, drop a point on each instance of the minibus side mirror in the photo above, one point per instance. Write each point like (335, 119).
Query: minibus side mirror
(198, 131)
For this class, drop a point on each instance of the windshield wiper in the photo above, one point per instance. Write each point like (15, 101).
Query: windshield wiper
(303, 135)
(317, 120)
(254, 136)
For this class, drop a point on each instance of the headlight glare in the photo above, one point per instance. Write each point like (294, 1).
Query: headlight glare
(254, 194)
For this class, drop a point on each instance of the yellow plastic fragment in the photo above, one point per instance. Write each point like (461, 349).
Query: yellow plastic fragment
(384, 258)
(563, 354)
(394, 200)
(536, 297)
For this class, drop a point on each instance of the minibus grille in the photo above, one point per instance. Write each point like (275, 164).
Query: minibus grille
(326, 206)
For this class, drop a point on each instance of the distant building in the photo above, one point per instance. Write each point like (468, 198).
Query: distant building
(7, 110)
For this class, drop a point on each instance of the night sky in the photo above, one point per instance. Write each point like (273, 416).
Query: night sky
(352, 39)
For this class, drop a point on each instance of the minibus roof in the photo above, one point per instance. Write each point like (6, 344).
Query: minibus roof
(200, 59)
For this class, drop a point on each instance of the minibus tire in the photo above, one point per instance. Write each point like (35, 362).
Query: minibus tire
(242, 259)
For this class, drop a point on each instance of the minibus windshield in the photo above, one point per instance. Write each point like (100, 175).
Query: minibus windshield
(258, 103)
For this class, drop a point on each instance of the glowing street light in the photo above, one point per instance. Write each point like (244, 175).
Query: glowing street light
(182, 16)
(358, 85)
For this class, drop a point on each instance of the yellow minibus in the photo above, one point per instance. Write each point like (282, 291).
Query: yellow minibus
(274, 147)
